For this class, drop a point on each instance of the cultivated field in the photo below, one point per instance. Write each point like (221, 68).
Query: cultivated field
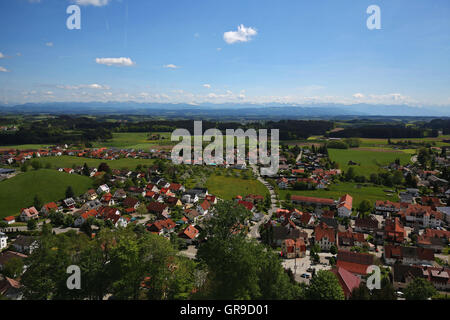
(50, 185)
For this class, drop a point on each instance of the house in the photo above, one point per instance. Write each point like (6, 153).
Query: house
(403, 275)
(434, 239)
(103, 189)
(347, 280)
(136, 191)
(307, 219)
(324, 236)
(160, 209)
(29, 213)
(211, 199)
(120, 194)
(354, 262)
(190, 197)
(90, 195)
(176, 187)
(113, 215)
(386, 207)
(107, 199)
(49, 207)
(291, 249)
(407, 255)
(10, 219)
(10, 288)
(173, 202)
(248, 205)
(445, 212)
(281, 233)
(345, 206)
(192, 215)
(422, 216)
(66, 170)
(69, 203)
(394, 230)
(94, 204)
(5, 256)
(349, 238)
(367, 224)
(25, 244)
(162, 226)
(201, 192)
(131, 202)
(189, 234)
(254, 198)
(3, 241)
(82, 218)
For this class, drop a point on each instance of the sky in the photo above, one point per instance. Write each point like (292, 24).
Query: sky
(233, 51)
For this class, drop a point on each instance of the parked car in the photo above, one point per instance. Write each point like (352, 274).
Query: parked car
(305, 275)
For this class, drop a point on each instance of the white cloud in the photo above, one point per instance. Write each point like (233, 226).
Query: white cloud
(243, 34)
(358, 96)
(1, 55)
(3, 69)
(124, 62)
(49, 44)
(206, 85)
(84, 86)
(96, 3)
(170, 66)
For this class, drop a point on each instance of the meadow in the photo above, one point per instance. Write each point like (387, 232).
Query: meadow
(337, 190)
(69, 161)
(368, 161)
(229, 187)
(50, 185)
(135, 140)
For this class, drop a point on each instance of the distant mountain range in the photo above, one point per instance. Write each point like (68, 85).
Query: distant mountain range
(227, 111)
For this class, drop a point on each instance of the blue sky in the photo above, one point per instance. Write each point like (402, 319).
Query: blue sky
(245, 51)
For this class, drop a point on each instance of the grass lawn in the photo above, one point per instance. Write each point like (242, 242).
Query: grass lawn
(68, 161)
(50, 185)
(370, 161)
(370, 192)
(229, 187)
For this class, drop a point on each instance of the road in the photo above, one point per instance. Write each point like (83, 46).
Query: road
(254, 230)
(299, 157)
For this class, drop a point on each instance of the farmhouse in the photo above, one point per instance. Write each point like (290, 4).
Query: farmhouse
(28, 214)
(345, 206)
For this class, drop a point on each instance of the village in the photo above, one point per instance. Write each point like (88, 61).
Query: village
(408, 238)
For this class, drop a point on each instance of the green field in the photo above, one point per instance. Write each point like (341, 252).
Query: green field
(50, 185)
(368, 161)
(27, 146)
(369, 192)
(134, 140)
(69, 161)
(229, 187)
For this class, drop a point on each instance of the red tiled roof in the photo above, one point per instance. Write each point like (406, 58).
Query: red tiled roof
(322, 231)
(312, 200)
(191, 232)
